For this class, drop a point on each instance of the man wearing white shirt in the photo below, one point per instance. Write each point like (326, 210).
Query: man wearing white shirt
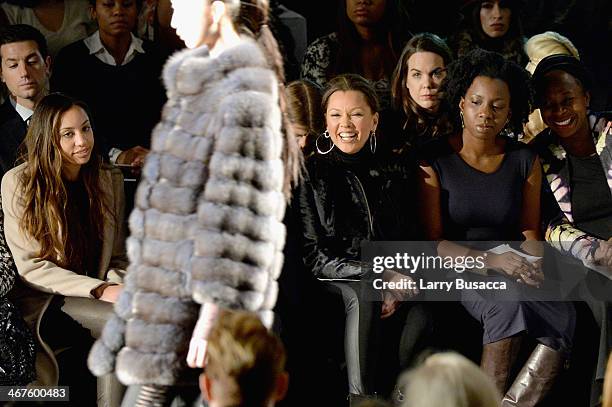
(118, 76)
(24, 69)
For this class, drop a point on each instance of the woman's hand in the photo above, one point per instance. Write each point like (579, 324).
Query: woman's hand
(135, 156)
(603, 254)
(409, 289)
(389, 305)
(516, 267)
(393, 297)
(111, 293)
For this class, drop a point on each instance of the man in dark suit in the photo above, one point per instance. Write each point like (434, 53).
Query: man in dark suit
(24, 69)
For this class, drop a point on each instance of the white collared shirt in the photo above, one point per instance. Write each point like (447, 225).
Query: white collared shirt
(24, 112)
(95, 46)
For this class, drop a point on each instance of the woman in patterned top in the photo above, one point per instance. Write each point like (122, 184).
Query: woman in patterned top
(363, 44)
(576, 155)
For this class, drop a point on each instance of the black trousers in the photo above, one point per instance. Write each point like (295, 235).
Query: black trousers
(405, 334)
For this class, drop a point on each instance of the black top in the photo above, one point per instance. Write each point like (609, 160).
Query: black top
(12, 132)
(347, 199)
(82, 241)
(478, 206)
(591, 197)
(125, 101)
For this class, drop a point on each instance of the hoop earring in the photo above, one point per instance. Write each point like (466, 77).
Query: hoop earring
(326, 135)
(461, 116)
(373, 141)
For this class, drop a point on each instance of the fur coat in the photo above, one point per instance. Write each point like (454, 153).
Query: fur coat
(207, 226)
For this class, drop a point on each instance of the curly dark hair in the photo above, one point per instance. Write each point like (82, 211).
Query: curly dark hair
(463, 71)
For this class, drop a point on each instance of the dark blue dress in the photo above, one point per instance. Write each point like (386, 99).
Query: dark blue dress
(484, 209)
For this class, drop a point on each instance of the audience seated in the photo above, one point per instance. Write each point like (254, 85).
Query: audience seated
(305, 115)
(575, 152)
(119, 76)
(416, 92)
(448, 380)
(70, 260)
(245, 363)
(347, 182)
(62, 216)
(538, 47)
(363, 43)
(62, 22)
(24, 69)
(479, 187)
(493, 25)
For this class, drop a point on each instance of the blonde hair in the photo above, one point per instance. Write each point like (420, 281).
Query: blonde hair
(448, 379)
(548, 43)
(244, 359)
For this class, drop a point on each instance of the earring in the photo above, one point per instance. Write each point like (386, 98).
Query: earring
(373, 141)
(326, 135)
(461, 116)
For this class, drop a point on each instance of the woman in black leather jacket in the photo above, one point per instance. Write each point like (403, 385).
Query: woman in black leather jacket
(350, 195)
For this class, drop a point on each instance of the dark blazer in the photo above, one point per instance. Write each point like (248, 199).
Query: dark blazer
(12, 133)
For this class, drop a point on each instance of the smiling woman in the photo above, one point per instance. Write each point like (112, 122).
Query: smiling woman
(350, 121)
(575, 151)
(63, 212)
(351, 196)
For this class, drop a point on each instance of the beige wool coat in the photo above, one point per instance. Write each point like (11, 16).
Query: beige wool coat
(41, 279)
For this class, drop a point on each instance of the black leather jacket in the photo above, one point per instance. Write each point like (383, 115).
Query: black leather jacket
(345, 200)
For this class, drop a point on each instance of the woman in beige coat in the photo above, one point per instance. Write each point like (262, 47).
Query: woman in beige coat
(63, 214)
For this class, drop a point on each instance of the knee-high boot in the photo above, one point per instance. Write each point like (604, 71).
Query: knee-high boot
(535, 379)
(498, 358)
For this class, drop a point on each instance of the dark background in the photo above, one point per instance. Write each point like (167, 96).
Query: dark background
(587, 23)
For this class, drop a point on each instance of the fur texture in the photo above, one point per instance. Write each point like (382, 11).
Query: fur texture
(207, 226)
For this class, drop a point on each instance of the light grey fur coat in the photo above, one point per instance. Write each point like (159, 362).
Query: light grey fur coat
(207, 226)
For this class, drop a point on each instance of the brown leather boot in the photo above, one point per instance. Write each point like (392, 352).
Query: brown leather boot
(535, 379)
(498, 358)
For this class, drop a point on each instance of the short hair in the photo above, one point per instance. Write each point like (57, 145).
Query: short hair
(23, 32)
(304, 108)
(448, 379)
(479, 62)
(565, 63)
(242, 350)
(348, 82)
(548, 43)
